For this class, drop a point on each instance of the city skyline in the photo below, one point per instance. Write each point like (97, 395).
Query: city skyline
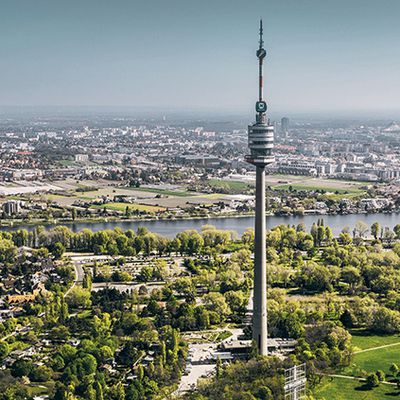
(179, 55)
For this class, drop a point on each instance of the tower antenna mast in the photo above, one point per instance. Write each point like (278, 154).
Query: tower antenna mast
(261, 53)
(260, 63)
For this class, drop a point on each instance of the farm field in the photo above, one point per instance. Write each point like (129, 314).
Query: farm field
(350, 190)
(122, 207)
(161, 198)
(165, 192)
(320, 183)
(297, 182)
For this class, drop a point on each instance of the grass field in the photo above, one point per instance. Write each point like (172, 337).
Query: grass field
(236, 186)
(346, 389)
(310, 188)
(122, 207)
(362, 364)
(379, 359)
(165, 192)
(374, 359)
(362, 340)
(39, 388)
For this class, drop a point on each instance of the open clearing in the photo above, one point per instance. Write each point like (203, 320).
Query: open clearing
(378, 357)
(297, 182)
(153, 197)
(363, 340)
(347, 389)
(369, 357)
(122, 207)
(231, 185)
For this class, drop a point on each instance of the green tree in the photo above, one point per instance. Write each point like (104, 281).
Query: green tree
(396, 230)
(218, 368)
(63, 316)
(361, 228)
(4, 350)
(352, 276)
(99, 390)
(372, 381)
(87, 280)
(146, 274)
(40, 373)
(394, 369)
(320, 234)
(216, 303)
(58, 249)
(21, 368)
(375, 230)
(79, 298)
(381, 375)
(328, 234)
(385, 320)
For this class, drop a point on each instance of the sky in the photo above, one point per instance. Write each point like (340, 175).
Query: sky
(339, 55)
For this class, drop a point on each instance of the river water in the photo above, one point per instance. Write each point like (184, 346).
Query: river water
(171, 228)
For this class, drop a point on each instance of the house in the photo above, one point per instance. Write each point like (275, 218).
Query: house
(26, 298)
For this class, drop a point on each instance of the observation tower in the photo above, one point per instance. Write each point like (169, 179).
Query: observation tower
(261, 139)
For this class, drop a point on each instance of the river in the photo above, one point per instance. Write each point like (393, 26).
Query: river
(170, 228)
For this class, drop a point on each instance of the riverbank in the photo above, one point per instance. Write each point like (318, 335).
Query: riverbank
(18, 223)
(15, 224)
(238, 223)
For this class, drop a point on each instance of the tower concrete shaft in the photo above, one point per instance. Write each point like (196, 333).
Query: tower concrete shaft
(260, 331)
(261, 144)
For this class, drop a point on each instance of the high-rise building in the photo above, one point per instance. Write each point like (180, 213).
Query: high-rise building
(285, 124)
(12, 207)
(261, 138)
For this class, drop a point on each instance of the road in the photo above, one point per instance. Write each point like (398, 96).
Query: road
(199, 369)
(79, 273)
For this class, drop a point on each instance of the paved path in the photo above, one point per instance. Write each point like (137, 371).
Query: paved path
(24, 329)
(355, 378)
(79, 274)
(377, 348)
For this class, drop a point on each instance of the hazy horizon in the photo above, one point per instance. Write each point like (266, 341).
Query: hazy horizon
(338, 58)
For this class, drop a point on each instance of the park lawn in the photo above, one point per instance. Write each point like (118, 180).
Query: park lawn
(67, 163)
(58, 197)
(122, 207)
(379, 359)
(39, 388)
(363, 340)
(347, 389)
(374, 359)
(236, 186)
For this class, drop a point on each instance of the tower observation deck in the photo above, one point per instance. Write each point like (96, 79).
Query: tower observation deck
(261, 134)
(261, 139)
